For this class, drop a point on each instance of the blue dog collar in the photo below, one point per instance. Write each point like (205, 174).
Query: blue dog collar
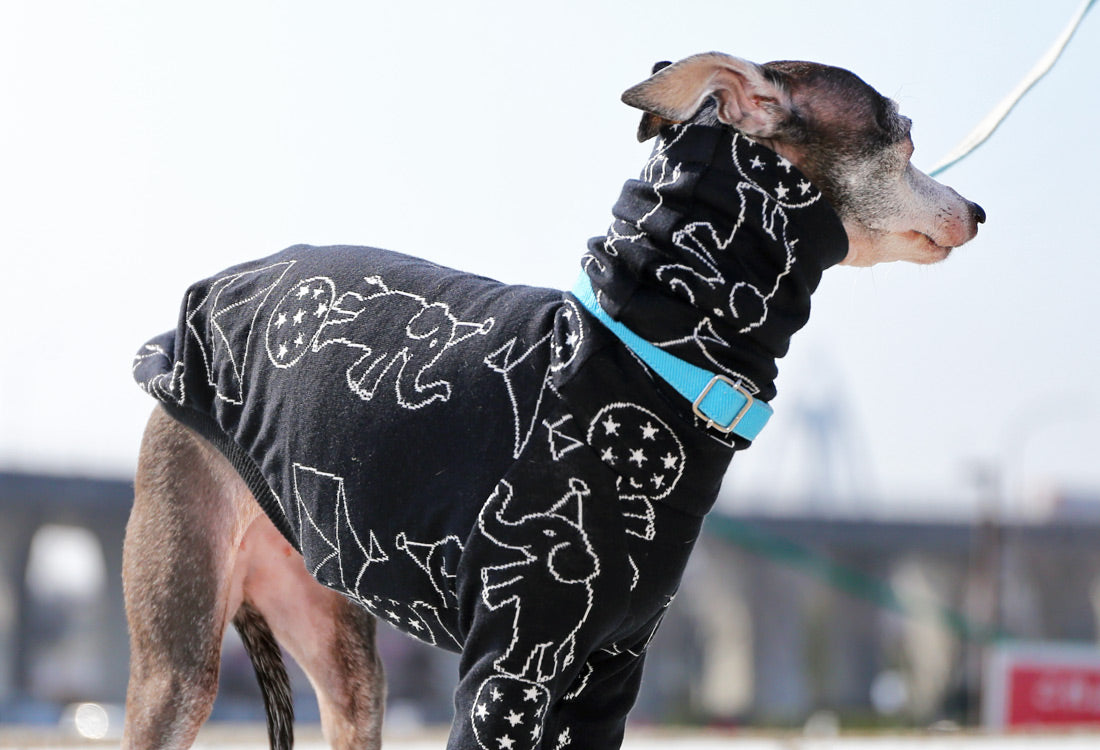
(722, 403)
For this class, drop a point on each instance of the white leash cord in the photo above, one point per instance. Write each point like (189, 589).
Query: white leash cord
(993, 120)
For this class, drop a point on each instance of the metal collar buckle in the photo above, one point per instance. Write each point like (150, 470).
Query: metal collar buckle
(735, 385)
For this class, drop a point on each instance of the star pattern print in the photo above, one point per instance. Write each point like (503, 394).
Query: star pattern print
(772, 174)
(640, 447)
(645, 454)
(568, 335)
(298, 318)
(508, 713)
(231, 307)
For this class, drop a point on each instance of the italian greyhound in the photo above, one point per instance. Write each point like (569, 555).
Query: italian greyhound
(346, 434)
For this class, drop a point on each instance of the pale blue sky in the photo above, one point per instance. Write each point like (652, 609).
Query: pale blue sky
(147, 144)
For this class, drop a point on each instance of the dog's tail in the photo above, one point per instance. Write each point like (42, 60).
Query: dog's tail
(267, 660)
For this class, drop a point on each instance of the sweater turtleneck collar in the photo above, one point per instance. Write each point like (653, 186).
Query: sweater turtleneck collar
(715, 251)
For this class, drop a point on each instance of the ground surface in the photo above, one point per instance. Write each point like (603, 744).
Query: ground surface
(252, 738)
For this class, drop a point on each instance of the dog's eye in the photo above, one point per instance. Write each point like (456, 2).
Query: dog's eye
(904, 128)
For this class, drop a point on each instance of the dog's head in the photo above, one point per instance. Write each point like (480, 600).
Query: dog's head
(846, 137)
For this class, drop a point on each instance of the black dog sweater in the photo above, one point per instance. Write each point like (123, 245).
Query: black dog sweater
(487, 467)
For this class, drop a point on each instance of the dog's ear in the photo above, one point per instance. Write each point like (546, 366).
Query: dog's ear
(748, 99)
(651, 124)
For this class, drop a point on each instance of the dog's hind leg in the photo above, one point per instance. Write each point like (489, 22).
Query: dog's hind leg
(331, 637)
(200, 552)
(190, 511)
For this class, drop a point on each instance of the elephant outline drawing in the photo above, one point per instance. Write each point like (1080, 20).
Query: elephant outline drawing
(555, 554)
(310, 317)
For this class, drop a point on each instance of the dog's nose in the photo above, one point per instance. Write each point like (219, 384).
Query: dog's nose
(979, 213)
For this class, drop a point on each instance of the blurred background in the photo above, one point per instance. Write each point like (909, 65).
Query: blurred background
(921, 518)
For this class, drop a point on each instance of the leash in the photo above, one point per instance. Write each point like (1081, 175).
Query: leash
(722, 403)
(993, 120)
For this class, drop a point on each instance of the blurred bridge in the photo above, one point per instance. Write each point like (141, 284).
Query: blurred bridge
(778, 616)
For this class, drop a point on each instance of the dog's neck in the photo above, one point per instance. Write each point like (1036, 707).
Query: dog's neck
(715, 251)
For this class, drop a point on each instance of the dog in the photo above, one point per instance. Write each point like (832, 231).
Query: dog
(346, 434)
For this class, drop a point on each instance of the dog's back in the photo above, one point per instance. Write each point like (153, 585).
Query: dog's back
(348, 401)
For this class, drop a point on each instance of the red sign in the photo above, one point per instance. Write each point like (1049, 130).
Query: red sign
(1042, 684)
